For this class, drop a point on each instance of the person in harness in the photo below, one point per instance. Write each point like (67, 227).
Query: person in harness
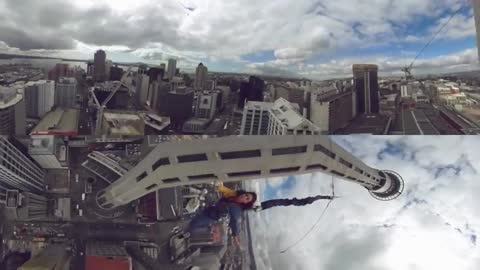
(231, 204)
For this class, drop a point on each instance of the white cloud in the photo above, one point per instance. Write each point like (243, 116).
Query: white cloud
(429, 227)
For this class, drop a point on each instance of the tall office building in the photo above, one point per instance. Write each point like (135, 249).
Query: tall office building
(99, 66)
(293, 95)
(108, 69)
(172, 68)
(158, 97)
(116, 73)
(201, 77)
(256, 116)
(251, 91)
(286, 120)
(206, 106)
(17, 171)
(227, 159)
(66, 93)
(32, 207)
(365, 79)
(12, 112)
(156, 74)
(476, 9)
(39, 98)
(331, 112)
(179, 107)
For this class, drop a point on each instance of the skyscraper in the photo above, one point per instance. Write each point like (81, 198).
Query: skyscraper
(285, 119)
(366, 87)
(179, 163)
(142, 87)
(17, 170)
(12, 112)
(172, 68)
(476, 9)
(60, 70)
(201, 76)
(99, 66)
(66, 93)
(179, 107)
(156, 74)
(39, 98)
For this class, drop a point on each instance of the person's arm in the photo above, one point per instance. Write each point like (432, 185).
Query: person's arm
(226, 192)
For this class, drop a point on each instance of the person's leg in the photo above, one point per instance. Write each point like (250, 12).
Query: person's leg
(199, 221)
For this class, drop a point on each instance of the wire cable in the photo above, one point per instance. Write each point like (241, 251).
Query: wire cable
(436, 34)
(332, 186)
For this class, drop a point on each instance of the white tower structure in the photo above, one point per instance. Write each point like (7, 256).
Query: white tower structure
(234, 158)
(476, 10)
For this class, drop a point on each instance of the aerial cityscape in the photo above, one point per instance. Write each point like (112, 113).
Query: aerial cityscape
(144, 135)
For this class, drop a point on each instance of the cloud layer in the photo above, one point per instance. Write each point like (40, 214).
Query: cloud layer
(434, 225)
(300, 35)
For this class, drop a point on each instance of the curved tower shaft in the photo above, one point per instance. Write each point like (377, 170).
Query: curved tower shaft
(244, 158)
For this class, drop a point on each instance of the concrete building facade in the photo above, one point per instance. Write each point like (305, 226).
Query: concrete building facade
(332, 112)
(48, 152)
(17, 170)
(227, 159)
(206, 106)
(66, 93)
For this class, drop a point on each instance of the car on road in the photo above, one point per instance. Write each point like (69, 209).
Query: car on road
(83, 196)
(76, 178)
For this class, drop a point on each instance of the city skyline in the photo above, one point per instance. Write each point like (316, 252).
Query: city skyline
(193, 32)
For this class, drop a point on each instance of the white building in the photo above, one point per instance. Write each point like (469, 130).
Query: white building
(39, 98)
(201, 77)
(256, 116)
(48, 152)
(17, 171)
(206, 106)
(178, 163)
(286, 120)
(66, 93)
(172, 68)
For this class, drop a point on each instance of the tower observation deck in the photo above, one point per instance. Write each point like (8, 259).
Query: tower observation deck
(235, 158)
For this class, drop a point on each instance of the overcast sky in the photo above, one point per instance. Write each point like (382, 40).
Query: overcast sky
(316, 39)
(434, 225)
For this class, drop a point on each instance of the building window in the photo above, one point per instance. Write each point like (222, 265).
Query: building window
(381, 174)
(353, 178)
(337, 173)
(151, 187)
(202, 177)
(359, 170)
(171, 180)
(316, 166)
(160, 162)
(192, 158)
(240, 154)
(346, 163)
(240, 174)
(320, 148)
(289, 150)
(141, 176)
(285, 170)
